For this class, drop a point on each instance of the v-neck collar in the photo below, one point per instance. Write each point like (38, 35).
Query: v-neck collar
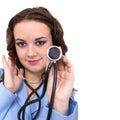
(22, 96)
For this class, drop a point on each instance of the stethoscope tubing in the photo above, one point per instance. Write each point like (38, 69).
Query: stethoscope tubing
(21, 112)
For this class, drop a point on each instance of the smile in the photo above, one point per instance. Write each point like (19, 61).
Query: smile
(33, 62)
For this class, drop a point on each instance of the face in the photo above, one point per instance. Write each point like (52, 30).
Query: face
(32, 39)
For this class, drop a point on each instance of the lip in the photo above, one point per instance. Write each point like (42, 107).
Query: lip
(33, 62)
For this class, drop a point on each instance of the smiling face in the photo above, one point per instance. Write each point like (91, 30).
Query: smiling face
(32, 39)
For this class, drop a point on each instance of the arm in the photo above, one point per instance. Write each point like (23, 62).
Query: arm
(6, 97)
(9, 85)
(64, 87)
(72, 111)
(6, 100)
(64, 105)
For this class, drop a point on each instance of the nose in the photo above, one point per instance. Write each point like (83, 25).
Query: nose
(31, 52)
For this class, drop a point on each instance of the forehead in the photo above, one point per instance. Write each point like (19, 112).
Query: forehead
(28, 27)
(31, 24)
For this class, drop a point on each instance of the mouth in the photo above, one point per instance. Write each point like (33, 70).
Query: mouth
(33, 62)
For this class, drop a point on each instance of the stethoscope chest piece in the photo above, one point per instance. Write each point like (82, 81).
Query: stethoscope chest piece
(54, 53)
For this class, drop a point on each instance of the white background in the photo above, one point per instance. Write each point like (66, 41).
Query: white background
(92, 32)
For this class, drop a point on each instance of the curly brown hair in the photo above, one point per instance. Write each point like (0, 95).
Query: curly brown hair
(40, 14)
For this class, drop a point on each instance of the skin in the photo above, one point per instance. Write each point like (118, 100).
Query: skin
(32, 39)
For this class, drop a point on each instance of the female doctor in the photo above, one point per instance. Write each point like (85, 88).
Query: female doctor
(29, 34)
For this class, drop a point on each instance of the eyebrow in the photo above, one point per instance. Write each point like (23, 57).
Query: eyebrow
(40, 38)
(18, 39)
(35, 38)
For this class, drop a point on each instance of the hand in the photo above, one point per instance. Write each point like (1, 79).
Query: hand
(65, 81)
(12, 77)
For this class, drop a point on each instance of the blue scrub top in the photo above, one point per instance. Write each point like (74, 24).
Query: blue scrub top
(11, 103)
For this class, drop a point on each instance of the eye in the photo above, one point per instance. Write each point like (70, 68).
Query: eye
(21, 44)
(40, 42)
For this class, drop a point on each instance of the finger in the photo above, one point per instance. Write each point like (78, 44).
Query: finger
(67, 64)
(60, 65)
(66, 61)
(63, 63)
(10, 63)
(4, 61)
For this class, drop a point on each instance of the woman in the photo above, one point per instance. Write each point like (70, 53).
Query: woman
(29, 34)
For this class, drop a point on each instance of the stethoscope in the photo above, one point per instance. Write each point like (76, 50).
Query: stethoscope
(54, 53)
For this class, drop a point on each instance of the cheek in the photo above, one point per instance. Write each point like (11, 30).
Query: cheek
(43, 54)
(20, 53)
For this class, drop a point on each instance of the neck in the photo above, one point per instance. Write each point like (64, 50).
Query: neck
(33, 78)
(34, 82)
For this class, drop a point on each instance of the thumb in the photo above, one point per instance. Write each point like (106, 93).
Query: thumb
(20, 73)
(4, 61)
